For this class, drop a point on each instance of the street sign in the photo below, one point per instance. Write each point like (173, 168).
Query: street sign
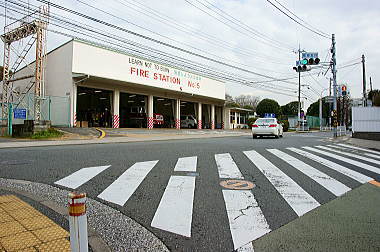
(301, 62)
(19, 113)
(269, 115)
(308, 55)
(329, 99)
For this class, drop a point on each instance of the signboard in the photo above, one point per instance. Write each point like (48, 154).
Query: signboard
(108, 64)
(329, 99)
(19, 113)
(308, 55)
(269, 115)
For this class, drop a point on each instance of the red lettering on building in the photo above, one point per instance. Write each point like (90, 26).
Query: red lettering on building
(193, 84)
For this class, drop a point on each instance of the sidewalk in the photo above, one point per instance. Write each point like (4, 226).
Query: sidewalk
(370, 144)
(24, 228)
(123, 136)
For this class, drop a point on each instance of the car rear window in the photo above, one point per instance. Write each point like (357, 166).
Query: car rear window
(266, 120)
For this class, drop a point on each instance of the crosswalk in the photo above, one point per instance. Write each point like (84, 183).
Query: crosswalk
(246, 219)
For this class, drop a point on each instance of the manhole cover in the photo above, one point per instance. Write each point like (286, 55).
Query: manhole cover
(237, 184)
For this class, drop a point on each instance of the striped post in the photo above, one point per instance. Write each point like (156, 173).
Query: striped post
(78, 222)
(212, 124)
(177, 124)
(199, 124)
(115, 121)
(150, 123)
(222, 125)
(75, 119)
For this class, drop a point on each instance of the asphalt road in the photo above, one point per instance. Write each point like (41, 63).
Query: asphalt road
(215, 218)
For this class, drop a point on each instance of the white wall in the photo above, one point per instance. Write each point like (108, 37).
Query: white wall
(104, 63)
(366, 119)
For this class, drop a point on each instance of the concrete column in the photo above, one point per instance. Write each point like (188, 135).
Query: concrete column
(236, 120)
(199, 119)
(223, 118)
(212, 116)
(177, 118)
(73, 117)
(116, 109)
(150, 112)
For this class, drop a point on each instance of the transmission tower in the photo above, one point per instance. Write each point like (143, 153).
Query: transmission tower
(34, 26)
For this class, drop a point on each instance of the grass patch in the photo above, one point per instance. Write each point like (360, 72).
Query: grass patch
(50, 133)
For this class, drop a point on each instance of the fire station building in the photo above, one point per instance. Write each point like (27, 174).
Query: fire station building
(109, 88)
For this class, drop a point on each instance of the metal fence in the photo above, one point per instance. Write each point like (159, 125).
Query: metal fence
(53, 108)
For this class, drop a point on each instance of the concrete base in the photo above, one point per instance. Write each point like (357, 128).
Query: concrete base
(367, 135)
(29, 128)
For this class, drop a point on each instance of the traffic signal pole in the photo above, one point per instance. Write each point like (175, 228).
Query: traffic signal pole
(299, 88)
(333, 51)
(364, 83)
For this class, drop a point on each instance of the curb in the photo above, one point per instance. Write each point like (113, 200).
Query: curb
(102, 133)
(95, 241)
(108, 228)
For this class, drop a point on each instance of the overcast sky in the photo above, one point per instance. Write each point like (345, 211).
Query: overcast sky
(356, 24)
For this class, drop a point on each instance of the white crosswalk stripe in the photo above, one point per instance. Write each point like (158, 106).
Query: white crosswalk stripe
(227, 167)
(321, 178)
(80, 177)
(358, 148)
(347, 160)
(334, 166)
(247, 222)
(298, 199)
(174, 213)
(246, 219)
(346, 148)
(350, 154)
(124, 186)
(188, 164)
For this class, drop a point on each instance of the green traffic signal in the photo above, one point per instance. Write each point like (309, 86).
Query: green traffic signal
(304, 62)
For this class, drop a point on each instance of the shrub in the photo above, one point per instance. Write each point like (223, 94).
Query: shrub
(49, 133)
(251, 121)
(285, 125)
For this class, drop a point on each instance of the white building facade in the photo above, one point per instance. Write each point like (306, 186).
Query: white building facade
(108, 88)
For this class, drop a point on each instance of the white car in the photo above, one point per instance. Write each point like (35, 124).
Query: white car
(267, 127)
(188, 121)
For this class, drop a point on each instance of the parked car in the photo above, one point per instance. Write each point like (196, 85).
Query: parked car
(188, 121)
(267, 127)
(137, 117)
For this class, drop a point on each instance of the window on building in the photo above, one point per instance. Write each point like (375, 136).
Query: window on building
(243, 118)
(232, 117)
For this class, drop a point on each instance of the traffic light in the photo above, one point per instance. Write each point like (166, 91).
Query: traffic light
(310, 58)
(302, 68)
(344, 90)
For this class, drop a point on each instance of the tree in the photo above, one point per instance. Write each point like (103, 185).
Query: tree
(268, 106)
(313, 109)
(230, 102)
(247, 101)
(374, 96)
(290, 109)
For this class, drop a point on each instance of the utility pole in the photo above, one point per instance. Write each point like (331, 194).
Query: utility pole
(364, 83)
(299, 89)
(333, 51)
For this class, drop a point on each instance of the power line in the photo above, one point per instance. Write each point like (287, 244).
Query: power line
(246, 83)
(316, 32)
(300, 18)
(232, 20)
(153, 40)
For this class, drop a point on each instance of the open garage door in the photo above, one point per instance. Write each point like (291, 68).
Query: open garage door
(94, 107)
(133, 109)
(188, 115)
(163, 112)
